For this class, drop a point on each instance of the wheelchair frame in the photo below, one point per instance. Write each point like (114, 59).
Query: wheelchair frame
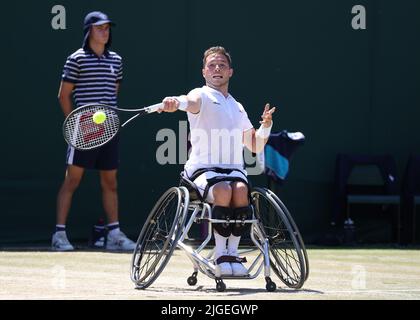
(278, 239)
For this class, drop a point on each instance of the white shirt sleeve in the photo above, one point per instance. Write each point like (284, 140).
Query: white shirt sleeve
(245, 123)
(198, 91)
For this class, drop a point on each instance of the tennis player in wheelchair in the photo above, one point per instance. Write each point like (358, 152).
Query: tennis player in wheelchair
(220, 127)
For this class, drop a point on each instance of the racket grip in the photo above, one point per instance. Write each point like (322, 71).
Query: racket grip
(154, 108)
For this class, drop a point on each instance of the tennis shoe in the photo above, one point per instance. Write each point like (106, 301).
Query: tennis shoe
(119, 242)
(100, 243)
(60, 242)
(238, 269)
(223, 269)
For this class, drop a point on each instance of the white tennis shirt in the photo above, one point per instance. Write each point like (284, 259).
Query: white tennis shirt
(217, 132)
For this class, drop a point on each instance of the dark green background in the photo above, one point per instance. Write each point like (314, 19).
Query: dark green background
(346, 90)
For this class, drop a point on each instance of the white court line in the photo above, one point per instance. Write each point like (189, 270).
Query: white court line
(372, 291)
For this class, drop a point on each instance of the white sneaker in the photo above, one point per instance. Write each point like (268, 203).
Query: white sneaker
(223, 269)
(60, 242)
(119, 241)
(100, 243)
(238, 269)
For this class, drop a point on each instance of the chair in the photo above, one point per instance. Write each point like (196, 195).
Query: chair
(375, 184)
(411, 196)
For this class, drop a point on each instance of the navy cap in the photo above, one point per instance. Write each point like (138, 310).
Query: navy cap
(96, 18)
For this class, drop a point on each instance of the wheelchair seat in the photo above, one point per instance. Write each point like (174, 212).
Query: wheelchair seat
(195, 195)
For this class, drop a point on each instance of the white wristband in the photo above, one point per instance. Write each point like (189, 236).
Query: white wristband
(264, 132)
(183, 102)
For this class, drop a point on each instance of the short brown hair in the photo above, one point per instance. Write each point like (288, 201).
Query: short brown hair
(217, 50)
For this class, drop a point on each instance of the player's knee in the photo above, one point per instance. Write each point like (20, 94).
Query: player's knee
(222, 213)
(240, 189)
(240, 194)
(242, 213)
(222, 193)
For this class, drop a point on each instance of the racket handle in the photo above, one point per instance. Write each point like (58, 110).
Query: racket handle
(154, 108)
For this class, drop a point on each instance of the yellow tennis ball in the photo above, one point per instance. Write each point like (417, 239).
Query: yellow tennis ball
(99, 117)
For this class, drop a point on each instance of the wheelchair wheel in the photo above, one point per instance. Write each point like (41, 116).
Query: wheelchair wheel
(287, 257)
(295, 228)
(158, 237)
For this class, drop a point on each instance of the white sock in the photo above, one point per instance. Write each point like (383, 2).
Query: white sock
(114, 231)
(220, 242)
(233, 245)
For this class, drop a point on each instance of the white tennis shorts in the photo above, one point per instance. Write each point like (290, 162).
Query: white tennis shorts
(202, 180)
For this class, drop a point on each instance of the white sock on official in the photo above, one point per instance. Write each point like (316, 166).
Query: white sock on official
(113, 228)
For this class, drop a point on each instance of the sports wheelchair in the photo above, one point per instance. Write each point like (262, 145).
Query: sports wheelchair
(272, 231)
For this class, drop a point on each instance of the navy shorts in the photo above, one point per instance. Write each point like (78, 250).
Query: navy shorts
(103, 158)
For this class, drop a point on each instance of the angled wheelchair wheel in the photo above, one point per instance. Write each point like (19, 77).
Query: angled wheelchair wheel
(295, 228)
(287, 255)
(158, 237)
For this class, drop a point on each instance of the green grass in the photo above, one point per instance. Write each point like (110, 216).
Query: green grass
(335, 273)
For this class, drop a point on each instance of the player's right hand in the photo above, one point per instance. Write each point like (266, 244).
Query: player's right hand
(170, 104)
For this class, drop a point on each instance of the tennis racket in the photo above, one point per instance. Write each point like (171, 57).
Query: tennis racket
(82, 133)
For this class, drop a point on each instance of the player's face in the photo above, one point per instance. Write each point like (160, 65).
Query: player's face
(217, 71)
(100, 34)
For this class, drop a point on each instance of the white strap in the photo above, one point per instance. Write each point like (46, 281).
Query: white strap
(183, 102)
(264, 132)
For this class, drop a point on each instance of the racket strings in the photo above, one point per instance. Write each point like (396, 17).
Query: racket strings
(83, 133)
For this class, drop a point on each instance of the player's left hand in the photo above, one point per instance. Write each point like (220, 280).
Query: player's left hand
(267, 115)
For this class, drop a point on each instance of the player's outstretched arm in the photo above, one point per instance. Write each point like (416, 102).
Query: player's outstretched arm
(190, 103)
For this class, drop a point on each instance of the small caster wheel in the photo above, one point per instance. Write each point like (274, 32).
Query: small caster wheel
(271, 286)
(192, 280)
(220, 285)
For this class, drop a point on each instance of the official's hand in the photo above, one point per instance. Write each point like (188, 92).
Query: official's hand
(170, 104)
(267, 115)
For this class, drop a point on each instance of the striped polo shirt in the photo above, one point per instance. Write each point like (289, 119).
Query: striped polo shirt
(95, 77)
